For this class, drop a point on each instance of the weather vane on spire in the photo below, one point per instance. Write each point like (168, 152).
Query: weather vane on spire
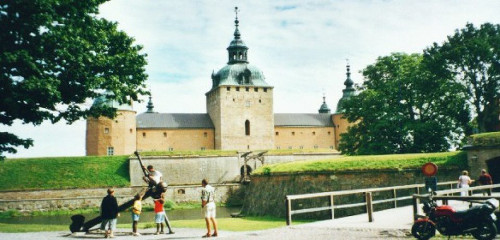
(347, 61)
(236, 11)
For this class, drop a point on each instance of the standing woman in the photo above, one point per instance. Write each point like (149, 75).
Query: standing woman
(464, 181)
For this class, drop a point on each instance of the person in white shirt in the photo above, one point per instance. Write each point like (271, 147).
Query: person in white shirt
(208, 206)
(154, 176)
(463, 182)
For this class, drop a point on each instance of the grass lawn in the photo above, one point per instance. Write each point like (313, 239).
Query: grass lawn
(226, 224)
(486, 139)
(64, 172)
(393, 161)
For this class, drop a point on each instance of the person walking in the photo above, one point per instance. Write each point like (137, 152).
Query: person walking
(208, 206)
(485, 179)
(463, 182)
(109, 213)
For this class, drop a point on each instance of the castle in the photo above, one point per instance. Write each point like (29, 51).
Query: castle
(239, 117)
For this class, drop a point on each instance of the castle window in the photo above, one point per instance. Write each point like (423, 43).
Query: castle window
(329, 133)
(315, 146)
(265, 89)
(256, 89)
(111, 151)
(131, 130)
(289, 147)
(277, 133)
(278, 147)
(228, 88)
(164, 134)
(205, 134)
(144, 134)
(170, 149)
(260, 101)
(106, 130)
(237, 89)
(233, 99)
(181, 191)
(293, 133)
(247, 89)
(314, 133)
(331, 147)
(202, 148)
(247, 128)
(301, 147)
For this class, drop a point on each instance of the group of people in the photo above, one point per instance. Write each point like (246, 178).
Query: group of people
(110, 212)
(464, 181)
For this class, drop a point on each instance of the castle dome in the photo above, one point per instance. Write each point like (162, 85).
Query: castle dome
(238, 71)
(104, 100)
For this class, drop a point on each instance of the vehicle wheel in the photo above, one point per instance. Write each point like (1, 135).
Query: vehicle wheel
(423, 230)
(485, 231)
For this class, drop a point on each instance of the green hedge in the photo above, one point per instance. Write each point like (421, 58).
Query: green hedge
(64, 172)
(393, 161)
(486, 139)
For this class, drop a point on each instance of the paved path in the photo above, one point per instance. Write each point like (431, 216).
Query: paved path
(388, 224)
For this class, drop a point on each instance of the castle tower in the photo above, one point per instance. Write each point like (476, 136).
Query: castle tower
(341, 124)
(240, 102)
(105, 136)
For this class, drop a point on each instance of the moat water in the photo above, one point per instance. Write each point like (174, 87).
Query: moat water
(125, 217)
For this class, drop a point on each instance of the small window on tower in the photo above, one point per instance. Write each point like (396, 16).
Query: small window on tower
(314, 133)
(293, 133)
(237, 89)
(106, 130)
(329, 133)
(111, 151)
(265, 89)
(164, 134)
(228, 88)
(247, 89)
(144, 134)
(131, 130)
(205, 134)
(277, 133)
(256, 89)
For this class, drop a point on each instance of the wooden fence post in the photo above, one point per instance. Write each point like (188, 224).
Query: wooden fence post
(288, 211)
(415, 207)
(332, 213)
(369, 206)
(395, 196)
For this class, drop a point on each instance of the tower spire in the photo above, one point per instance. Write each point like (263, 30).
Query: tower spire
(348, 91)
(237, 49)
(150, 105)
(324, 107)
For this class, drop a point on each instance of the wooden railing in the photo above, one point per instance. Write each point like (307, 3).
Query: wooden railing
(368, 199)
(444, 196)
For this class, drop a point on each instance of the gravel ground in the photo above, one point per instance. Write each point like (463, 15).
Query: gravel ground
(277, 233)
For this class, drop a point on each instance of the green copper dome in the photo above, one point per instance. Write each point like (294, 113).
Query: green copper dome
(238, 71)
(324, 107)
(348, 92)
(104, 100)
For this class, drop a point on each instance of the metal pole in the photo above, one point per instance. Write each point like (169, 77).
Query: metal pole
(395, 196)
(288, 212)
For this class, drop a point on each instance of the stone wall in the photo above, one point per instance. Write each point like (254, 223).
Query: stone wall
(191, 170)
(304, 137)
(174, 139)
(91, 198)
(265, 195)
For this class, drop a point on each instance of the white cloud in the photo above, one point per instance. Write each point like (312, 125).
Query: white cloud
(301, 47)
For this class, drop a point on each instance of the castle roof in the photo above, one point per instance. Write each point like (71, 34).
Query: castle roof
(173, 120)
(303, 120)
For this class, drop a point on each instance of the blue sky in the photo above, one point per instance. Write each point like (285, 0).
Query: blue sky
(301, 47)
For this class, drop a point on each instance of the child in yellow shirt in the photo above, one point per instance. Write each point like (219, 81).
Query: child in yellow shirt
(136, 212)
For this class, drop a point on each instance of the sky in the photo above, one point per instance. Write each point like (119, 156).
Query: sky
(300, 46)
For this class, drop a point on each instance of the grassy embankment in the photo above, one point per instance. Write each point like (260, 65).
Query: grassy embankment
(394, 161)
(486, 139)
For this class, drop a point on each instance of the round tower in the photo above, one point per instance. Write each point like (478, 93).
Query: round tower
(105, 136)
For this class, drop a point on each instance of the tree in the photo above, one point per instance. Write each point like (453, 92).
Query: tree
(57, 55)
(471, 57)
(402, 108)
